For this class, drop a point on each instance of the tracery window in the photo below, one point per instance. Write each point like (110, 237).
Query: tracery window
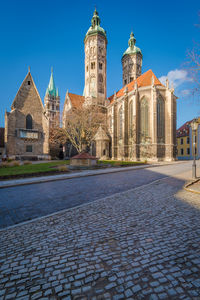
(160, 120)
(144, 120)
(120, 122)
(131, 118)
(29, 122)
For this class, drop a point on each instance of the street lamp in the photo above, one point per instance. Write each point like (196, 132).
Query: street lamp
(194, 126)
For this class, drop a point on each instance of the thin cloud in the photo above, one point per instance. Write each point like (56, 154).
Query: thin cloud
(176, 77)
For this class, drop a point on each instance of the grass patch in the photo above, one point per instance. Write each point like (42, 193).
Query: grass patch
(31, 168)
(116, 163)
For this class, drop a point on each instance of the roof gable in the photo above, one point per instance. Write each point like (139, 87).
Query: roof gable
(23, 93)
(143, 80)
(76, 100)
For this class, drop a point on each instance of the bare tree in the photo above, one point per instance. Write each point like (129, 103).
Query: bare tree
(57, 138)
(193, 64)
(82, 124)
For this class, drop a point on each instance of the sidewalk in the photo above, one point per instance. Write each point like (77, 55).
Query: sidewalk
(194, 186)
(33, 180)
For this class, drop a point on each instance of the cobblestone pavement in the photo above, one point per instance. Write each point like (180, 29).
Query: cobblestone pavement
(22, 203)
(140, 244)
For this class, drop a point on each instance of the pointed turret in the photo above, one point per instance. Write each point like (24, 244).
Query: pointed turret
(52, 102)
(51, 89)
(131, 61)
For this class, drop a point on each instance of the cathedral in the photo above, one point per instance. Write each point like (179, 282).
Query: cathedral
(141, 116)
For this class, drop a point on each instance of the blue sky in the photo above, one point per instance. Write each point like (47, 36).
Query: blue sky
(41, 34)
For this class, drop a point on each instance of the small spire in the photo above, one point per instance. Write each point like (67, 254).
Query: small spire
(29, 69)
(126, 90)
(51, 89)
(95, 19)
(132, 40)
(167, 83)
(136, 85)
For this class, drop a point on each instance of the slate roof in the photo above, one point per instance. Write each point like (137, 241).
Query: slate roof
(183, 130)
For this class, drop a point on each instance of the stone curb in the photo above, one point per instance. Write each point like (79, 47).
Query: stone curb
(186, 187)
(19, 182)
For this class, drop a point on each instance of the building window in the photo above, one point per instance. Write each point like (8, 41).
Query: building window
(144, 120)
(100, 87)
(188, 151)
(52, 106)
(87, 68)
(182, 151)
(131, 79)
(125, 82)
(29, 83)
(131, 118)
(195, 150)
(29, 148)
(29, 122)
(160, 120)
(181, 141)
(104, 152)
(120, 122)
(93, 65)
(188, 140)
(100, 66)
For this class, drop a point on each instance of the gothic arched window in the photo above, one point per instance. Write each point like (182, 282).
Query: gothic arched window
(131, 118)
(144, 120)
(160, 120)
(29, 122)
(120, 122)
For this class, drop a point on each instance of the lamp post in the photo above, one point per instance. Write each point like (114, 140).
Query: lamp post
(194, 126)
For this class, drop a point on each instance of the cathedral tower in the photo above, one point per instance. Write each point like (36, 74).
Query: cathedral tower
(131, 61)
(52, 103)
(95, 60)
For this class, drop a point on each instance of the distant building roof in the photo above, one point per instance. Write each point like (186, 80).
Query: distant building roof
(184, 130)
(76, 100)
(143, 80)
(2, 130)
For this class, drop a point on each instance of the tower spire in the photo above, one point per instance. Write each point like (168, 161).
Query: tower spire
(95, 19)
(132, 40)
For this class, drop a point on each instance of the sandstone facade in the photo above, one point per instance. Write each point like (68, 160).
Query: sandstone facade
(141, 117)
(27, 125)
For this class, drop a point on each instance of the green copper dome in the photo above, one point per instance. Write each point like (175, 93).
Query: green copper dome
(132, 49)
(95, 28)
(51, 90)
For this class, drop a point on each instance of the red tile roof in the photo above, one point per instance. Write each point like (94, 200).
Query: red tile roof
(84, 155)
(143, 80)
(183, 130)
(76, 100)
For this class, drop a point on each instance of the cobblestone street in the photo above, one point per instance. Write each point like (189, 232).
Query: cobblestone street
(143, 243)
